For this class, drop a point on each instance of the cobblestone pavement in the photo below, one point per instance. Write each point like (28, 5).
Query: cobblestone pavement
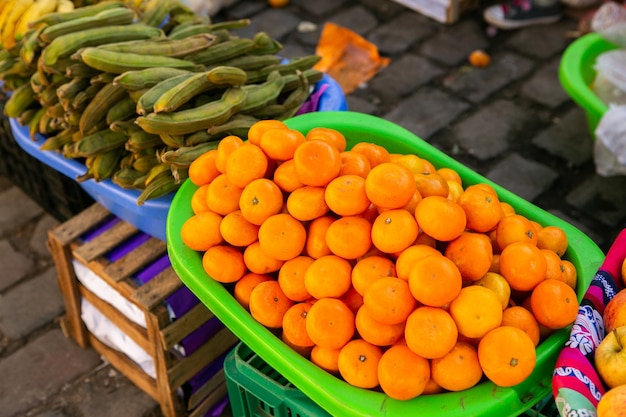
(511, 122)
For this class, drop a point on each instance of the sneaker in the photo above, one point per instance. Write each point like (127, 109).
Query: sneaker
(521, 13)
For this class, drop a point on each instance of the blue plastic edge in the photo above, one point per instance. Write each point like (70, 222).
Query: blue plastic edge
(150, 217)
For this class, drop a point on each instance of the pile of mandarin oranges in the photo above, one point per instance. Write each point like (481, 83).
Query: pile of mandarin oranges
(378, 267)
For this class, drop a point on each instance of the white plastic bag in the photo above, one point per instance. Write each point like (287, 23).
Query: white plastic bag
(610, 145)
(610, 82)
(610, 22)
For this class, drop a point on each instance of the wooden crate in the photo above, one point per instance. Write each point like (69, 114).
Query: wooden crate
(161, 334)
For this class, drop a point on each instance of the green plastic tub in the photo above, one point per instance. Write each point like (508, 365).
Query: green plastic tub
(335, 396)
(576, 74)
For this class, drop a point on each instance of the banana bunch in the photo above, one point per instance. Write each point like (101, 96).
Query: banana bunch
(138, 99)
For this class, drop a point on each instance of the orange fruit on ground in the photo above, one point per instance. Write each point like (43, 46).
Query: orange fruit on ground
(328, 276)
(402, 374)
(472, 253)
(375, 332)
(294, 324)
(316, 245)
(482, 209)
(258, 261)
(374, 153)
(428, 184)
(389, 300)
(280, 144)
(554, 304)
(223, 196)
(430, 332)
(440, 218)
(291, 277)
(244, 286)
(434, 280)
(268, 304)
(260, 199)
(224, 264)
(553, 238)
(394, 230)
(346, 196)
(407, 258)
(282, 236)
(330, 323)
(358, 363)
(459, 369)
(521, 317)
(389, 185)
(571, 275)
(246, 163)
(515, 228)
(238, 231)
(325, 358)
(202, 231)
(326, 134)
(285, 176)
(554, 265)
(349, 237)
(354, 163)
(257, 130)
(203, 170)
(316, 163)
(498, 284)
(476, 311)
(307, 203)
(224, 148)
(369, 269)
(479, 58)
(198, 199)
(507, 355)
(523, 265)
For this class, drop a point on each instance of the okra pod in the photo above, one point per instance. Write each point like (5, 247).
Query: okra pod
(183, 157)
(79, 12)
(106, 163)
(161, 186)
(110, 17)
(98, 142)
(260, 95)
(300, 63)
(72, 87)
(126, 177)
(96, 110)
(122, 110)
(33, 125)
(250, 62)
(147, 100)
(175, 48)
(146, 78)
(120, 62)
(221, 51)
(22, 98)
(140, 140)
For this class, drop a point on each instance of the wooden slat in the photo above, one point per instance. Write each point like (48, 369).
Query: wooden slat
(157, 289)
(79, 224)
(127, 367)
(183, 326)
(135, 260)
(217, 395)
(207, 353)
(106, 241)
(214, 382)
(137, 333)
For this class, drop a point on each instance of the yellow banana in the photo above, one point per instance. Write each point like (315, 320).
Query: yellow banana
(8, 30)
(65, 6)
(5, 14)
(37, 9)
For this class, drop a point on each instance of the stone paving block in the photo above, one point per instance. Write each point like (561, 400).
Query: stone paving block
(486, 133)
(569, 139)
(602, 198)
(524, 177)
(245, 9)
(51, 413)
(403, 76)
(277, 23)
(295, 50)
(30, 305)
(544, 87)
(106, 394)
(384, 9)
(320, 7)
(554, 39)
(476, 84)
(427, 111)
(361, 105)
(40, 235)
(16, 209)
(15, 265)
(445, 47)
(39, 370)
(400, 33)
(357, 19)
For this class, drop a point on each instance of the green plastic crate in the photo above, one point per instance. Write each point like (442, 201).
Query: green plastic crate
(576, 74)
(333, 394)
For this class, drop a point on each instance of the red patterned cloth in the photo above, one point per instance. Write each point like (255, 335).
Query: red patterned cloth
(576, 386)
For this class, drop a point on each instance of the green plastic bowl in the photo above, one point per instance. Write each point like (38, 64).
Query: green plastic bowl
(576, 74)
(331, 393)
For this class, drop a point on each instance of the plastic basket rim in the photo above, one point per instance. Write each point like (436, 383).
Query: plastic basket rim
(306, 376)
